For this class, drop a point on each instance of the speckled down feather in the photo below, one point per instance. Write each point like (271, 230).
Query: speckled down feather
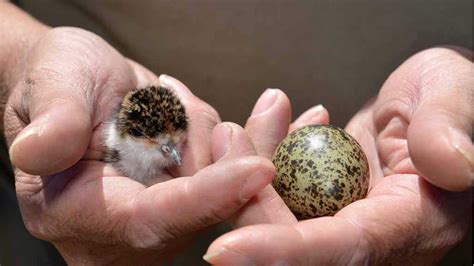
(146, 134)
(153, 111)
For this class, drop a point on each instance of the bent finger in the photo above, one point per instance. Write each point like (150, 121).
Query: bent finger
(185, 205)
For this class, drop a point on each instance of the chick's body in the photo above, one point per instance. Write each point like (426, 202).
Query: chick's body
(146, 134)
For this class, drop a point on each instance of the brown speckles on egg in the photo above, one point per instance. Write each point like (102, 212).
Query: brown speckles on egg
(320, 169)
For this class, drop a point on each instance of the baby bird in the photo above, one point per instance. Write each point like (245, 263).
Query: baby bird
(146, 134)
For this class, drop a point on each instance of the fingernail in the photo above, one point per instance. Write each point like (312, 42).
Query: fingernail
(225, 256)
(318, 108)
(314, 112)
(265, 101)
(224, 134)
(209, 257)
(164, 80)
(254, 184)
(469, 158)
(35, 129)
(463, 145)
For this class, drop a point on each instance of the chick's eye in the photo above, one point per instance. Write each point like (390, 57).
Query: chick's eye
(134, 132)
(166, 149)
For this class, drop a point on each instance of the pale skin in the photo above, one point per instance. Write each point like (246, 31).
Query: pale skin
(59, 92)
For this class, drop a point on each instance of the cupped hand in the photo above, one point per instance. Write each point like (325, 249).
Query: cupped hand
(63, 91)
(417, 134)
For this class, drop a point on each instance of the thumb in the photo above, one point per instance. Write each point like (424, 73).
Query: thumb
(440, 132)
(63, 80)
(57, 136)
(439, 141)
(322, 241)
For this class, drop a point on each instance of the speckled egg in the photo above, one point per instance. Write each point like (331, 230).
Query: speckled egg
(319, 170)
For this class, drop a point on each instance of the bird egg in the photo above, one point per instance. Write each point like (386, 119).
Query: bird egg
(319, 170)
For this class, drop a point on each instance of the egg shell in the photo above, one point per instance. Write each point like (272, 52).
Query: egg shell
(319, 170)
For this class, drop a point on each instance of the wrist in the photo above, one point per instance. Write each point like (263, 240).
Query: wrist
(19, 32)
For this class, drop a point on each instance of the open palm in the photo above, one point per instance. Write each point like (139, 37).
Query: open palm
(70, 83)
(422, 117)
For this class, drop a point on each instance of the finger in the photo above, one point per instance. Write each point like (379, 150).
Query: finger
(445, 158)
(282, 245)
(424, 116)
(361, 127)
(67, 72)
(441, 129)
(230, 141)
(202, 119)
(181, 206)
(317, 115)
(58, 134)
(267, 126)
(378, 230)
(323, 241)
(177, 86)
(144, 77)
(269, 121)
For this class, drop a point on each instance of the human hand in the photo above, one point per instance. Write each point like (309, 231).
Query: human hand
(62, 92)
(418, 129)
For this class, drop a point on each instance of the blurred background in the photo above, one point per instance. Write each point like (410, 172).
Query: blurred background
(337, 53)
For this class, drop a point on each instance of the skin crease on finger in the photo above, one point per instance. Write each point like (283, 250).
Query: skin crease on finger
(431, 93)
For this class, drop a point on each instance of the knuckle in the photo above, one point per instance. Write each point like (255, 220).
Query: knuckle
(75, 34)
(422, 73)
(257, 162)
(218, 211)
(141, 237)
(138, 234)
(223, 211)
(432, 62)
(35, 228)
(451, 52)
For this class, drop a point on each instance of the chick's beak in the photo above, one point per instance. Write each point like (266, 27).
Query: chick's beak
(173, 153)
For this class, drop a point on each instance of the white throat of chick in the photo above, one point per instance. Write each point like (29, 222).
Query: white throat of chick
(147, 134)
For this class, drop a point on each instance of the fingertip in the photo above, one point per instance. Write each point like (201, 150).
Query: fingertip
(53, 141)
(268, 244)
(229, 140)
(222, 250)
(316, 115)
(224, 256)
(253, 165)
(272, 99)
(269, 121)
(170, 82)
(442, 153)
